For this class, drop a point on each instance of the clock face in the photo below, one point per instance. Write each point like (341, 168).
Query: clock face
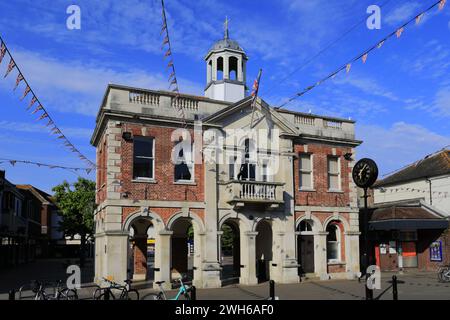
(365, 173)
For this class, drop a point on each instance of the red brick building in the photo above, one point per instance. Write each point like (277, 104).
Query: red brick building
(279, 180)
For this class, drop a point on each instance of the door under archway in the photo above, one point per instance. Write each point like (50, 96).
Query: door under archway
(305, 248)
(141, 250)
(230, 252)
(182, 248)
(264, 254)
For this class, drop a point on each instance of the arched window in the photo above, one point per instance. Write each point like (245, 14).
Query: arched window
(209, 70)
(333, 243)
(220, 68)
(305, 226)
(233, 68)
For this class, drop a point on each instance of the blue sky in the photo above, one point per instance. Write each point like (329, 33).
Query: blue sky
(400, 98)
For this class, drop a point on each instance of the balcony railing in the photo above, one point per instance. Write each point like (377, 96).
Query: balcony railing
(241, 191)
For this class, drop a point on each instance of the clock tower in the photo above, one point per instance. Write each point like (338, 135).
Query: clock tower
(226, 68)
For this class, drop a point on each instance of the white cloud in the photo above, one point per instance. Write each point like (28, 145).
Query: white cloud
(78, 87)
(368, 86)
(398, 145)
(402, 13)
(442, 101)
(72, 132)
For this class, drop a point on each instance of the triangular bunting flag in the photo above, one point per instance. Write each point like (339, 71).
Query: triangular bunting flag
(49, 123)
(348, 67)
(33, 101)
(27, 89)
(2, 52)
(399, 32)
(380, 44)
(88, 171)
(419, 18)
(43, 116)
(168, 53)
(442, 4)
(61, 137)
(13, 162)
(174, 81)
(170, 64)
(164, 27)
(364, 57)
(166, 40)
(11, 66)
(19, 78)
(172, 74)
(39, 107)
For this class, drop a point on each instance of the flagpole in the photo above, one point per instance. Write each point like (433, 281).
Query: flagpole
(255, 95)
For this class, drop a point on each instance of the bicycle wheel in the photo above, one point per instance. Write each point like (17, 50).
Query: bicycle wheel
(152, 296)
(68, 294)
(133, 294)
(445, 274)
(441, 273)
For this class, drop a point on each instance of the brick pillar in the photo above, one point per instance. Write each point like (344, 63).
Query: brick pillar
(140, 257)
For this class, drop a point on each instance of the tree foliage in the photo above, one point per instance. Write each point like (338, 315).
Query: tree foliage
(77, 204)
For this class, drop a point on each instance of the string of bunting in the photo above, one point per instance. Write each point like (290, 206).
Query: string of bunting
(404, 189)
(13, 162)
(365, 54)
(173, 82)
(36, 105)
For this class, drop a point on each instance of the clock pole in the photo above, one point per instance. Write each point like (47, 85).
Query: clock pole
(369, 292)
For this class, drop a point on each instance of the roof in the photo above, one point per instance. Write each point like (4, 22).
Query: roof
(434, 165)
(42, 196)
(226, 44)
(407, 215)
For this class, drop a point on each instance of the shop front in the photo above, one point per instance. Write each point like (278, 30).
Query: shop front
(408, 236)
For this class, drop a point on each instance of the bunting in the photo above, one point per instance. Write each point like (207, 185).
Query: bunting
(40, 108)
(13, 162)
(364, 55)
(11, 66)
(18, 80)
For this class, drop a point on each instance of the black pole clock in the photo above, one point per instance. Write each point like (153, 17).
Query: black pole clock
(365, 173)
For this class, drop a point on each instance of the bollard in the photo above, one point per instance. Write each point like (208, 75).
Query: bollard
(193, 293)
(272, 290)
(394, 288)
(106, 295)
(12, 294)
(369, 292)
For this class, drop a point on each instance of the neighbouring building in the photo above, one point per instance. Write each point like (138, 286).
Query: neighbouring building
(289, 199)
(409, 217)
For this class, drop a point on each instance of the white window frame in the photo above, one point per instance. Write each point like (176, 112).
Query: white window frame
(311, 171)
(152, 158)
(339, 245)
(330, 189)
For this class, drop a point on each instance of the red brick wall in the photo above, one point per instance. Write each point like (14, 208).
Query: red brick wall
(321, 196)
(164, 188)
(425, 238)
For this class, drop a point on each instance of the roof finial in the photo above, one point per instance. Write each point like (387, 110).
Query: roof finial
(225, 26)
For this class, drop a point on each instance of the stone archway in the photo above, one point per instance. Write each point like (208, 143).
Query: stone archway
(305, 247)
(264, 253)
(182, 248)
(140, 251)
(230, 251)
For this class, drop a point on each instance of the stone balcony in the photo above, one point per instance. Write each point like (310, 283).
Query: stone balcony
(240, 193)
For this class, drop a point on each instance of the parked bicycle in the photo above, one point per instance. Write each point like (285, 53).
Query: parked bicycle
(183, 291)
(444, 273)
(123, 292)
(60, 292)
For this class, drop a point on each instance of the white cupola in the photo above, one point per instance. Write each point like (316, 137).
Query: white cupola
(225, 70)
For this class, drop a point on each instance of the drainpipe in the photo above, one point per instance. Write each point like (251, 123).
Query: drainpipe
(431, 193)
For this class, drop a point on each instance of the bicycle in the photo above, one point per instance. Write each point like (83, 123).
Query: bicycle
(444, 273)
(61, 292)
(161, 295)
(126, 293)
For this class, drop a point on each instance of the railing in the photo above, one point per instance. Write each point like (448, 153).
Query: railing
(143, 97)
(304, 120)
(255, 191)
(185, 103)
(337, 125)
